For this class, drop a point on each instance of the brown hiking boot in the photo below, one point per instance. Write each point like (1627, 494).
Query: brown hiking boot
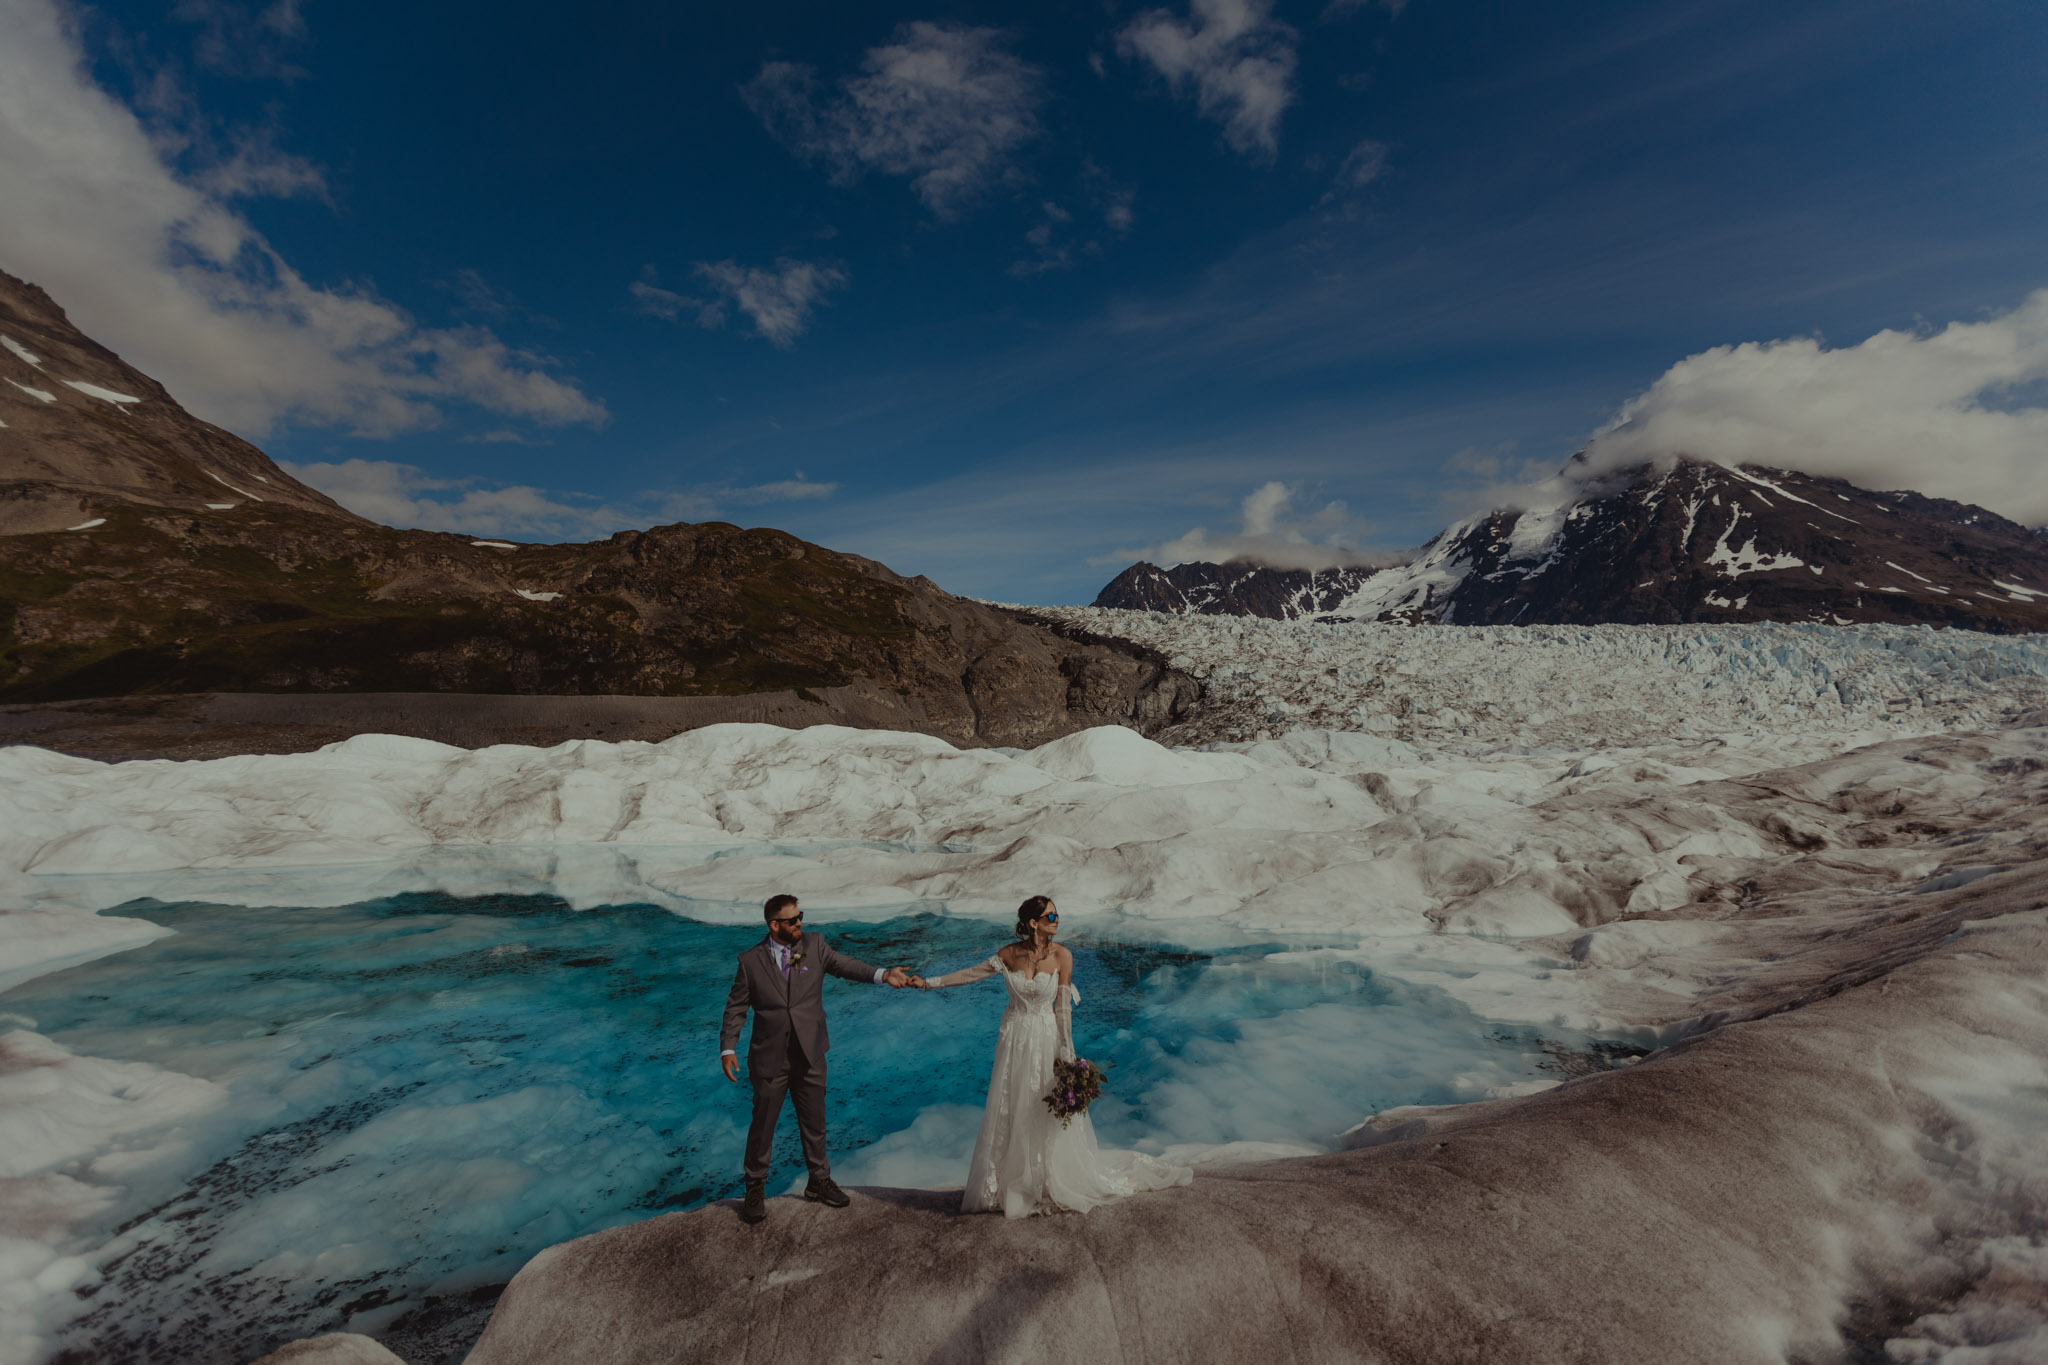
(754, 1207)
(826, 1192)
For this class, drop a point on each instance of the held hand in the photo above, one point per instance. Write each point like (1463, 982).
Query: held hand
(896, 978)
(732, 1066)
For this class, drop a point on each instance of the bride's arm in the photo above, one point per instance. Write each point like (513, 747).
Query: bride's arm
(1063, 1008)
(967, 976)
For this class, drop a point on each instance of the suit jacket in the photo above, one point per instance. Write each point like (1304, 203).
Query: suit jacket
(783, 1009)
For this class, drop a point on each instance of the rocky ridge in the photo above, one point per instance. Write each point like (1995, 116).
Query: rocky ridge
(1674, 543)
(149, 553)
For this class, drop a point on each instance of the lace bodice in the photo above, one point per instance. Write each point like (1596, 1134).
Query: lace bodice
(1035, 998)
(1025, 1160)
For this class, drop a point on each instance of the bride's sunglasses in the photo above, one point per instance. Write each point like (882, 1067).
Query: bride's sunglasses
(1051, 917)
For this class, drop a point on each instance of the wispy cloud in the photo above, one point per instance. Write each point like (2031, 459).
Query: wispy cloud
(1272, 532)
(245, 40)
(158, 265)
(1957, 412)
(708, 500)
(1362, 165)
(942, 104)
(407, 496)
(778, 301)
(1234, 57)
(1047, 253)
(1337, 9)
(1114, 200)
(404, 495)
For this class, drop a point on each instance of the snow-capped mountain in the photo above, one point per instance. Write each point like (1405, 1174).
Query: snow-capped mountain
(1678, 542)
(1240, 588)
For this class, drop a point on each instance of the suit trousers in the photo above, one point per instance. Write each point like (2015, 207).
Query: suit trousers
(804, 1084)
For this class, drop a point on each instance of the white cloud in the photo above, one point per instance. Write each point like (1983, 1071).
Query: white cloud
(1956, 413)
(778, 301)
(1270, 533)
(1235, 57)
(943, 104)
(404, 495)
(157, 265)
(670, 306)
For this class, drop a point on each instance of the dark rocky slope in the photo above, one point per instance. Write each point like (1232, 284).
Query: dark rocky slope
(1675, 543)
(147, 553)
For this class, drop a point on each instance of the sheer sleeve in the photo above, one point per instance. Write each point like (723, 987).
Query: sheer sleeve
(1070, 996)
(967, 976)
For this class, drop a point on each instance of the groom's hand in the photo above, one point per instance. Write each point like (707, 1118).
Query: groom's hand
(897, 978)
(732, 1066)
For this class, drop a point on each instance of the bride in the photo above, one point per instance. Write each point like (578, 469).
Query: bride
(1024, 1161)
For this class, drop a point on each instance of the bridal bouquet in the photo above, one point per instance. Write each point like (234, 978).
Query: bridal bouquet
(1074, 1085)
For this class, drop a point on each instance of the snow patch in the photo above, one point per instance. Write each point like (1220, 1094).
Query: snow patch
(231, 488)
(1735, 563)
(1784, 492)
(106, 395)
(495, 544)
(1430, 577)
(223, 506)
(19, 350)
(88, 525)
(537, 596)
(44, 394)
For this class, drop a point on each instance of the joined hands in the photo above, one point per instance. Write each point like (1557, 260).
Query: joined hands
(898, 978)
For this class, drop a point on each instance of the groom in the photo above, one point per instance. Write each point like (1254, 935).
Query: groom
(782, 980)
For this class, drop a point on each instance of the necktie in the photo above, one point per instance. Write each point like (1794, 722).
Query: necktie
(783, 953)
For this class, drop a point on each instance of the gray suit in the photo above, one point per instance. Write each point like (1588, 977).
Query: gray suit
(786, 1053)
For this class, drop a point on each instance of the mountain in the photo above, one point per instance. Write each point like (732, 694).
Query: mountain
(150, 554)
(1681, 541)
(1239, 588)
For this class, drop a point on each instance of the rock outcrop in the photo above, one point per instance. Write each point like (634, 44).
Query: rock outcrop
(149, 553)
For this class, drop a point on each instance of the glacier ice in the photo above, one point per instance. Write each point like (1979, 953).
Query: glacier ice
(1514, 822)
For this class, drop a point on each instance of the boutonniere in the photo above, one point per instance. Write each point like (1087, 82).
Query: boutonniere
(796, 962)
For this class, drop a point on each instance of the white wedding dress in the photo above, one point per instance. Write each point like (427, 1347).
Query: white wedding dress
(1024, 1161)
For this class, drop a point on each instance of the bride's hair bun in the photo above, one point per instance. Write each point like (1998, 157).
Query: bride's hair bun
(1030, 910)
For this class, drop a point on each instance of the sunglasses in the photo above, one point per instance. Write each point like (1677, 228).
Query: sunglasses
(1051, 918)
(787, 919)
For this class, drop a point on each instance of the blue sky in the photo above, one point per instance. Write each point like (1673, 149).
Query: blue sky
(1003, 294)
